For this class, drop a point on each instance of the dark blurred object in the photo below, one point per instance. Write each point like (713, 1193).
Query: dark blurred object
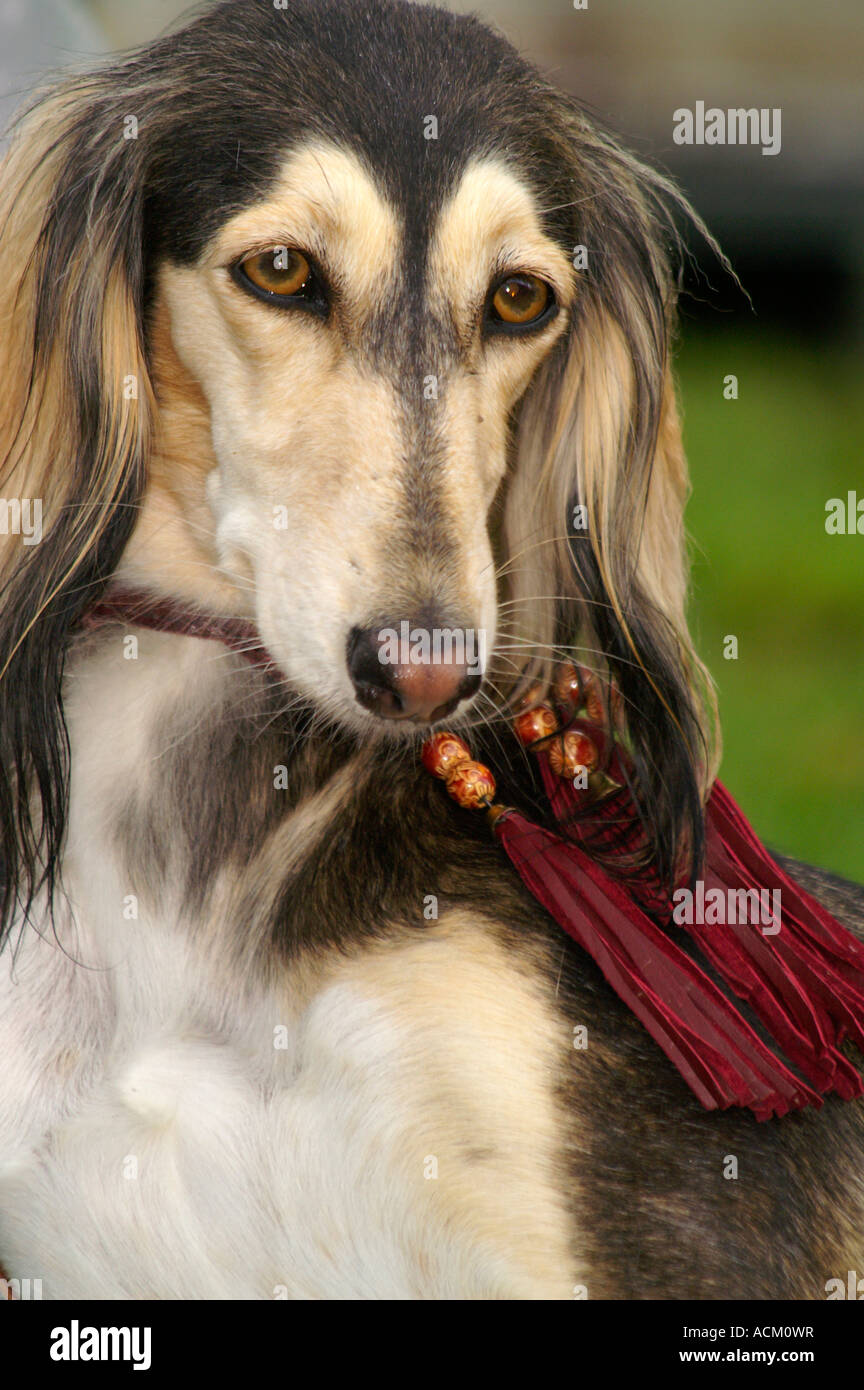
(792, 223)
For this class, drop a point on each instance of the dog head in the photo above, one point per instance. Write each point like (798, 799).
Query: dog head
(339, 318)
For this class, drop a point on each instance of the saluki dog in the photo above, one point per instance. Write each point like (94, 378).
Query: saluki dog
(318, 320)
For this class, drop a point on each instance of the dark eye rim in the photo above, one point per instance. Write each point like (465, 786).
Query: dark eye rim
(315, 300)
(501, 326)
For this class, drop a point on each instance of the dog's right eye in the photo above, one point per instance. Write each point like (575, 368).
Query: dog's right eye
(283, 277)
(519, 303)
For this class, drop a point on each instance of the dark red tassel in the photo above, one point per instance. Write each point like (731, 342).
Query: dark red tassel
(804, 982)
(716, 1051)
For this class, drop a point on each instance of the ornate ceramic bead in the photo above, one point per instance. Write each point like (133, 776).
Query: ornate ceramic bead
(536, 723)
(471, 784)
(568, 686)
(570, 752)
(442, 752)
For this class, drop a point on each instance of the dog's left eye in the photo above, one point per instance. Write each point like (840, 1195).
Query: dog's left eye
(519, 301)
(282, 277)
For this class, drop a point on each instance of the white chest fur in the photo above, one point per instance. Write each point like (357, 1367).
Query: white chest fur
(380, 1125)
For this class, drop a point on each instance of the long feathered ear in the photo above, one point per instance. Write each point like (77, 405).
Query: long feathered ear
(73, 435)
(600, 468)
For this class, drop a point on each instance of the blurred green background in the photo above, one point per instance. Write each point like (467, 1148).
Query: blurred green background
(764, 465)
(766, 571)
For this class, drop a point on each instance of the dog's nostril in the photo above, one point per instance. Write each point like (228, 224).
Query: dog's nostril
(405, 689)
(373, 685)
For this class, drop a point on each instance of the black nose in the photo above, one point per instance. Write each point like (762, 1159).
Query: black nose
(406, 689)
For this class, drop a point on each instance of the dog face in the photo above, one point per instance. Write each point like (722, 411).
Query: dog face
(353, 410)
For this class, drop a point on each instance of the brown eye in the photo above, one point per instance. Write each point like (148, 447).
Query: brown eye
(279, 271)
(520, 300)
(283, 278)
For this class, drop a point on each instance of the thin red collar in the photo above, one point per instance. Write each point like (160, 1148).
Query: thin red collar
(167, 615)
